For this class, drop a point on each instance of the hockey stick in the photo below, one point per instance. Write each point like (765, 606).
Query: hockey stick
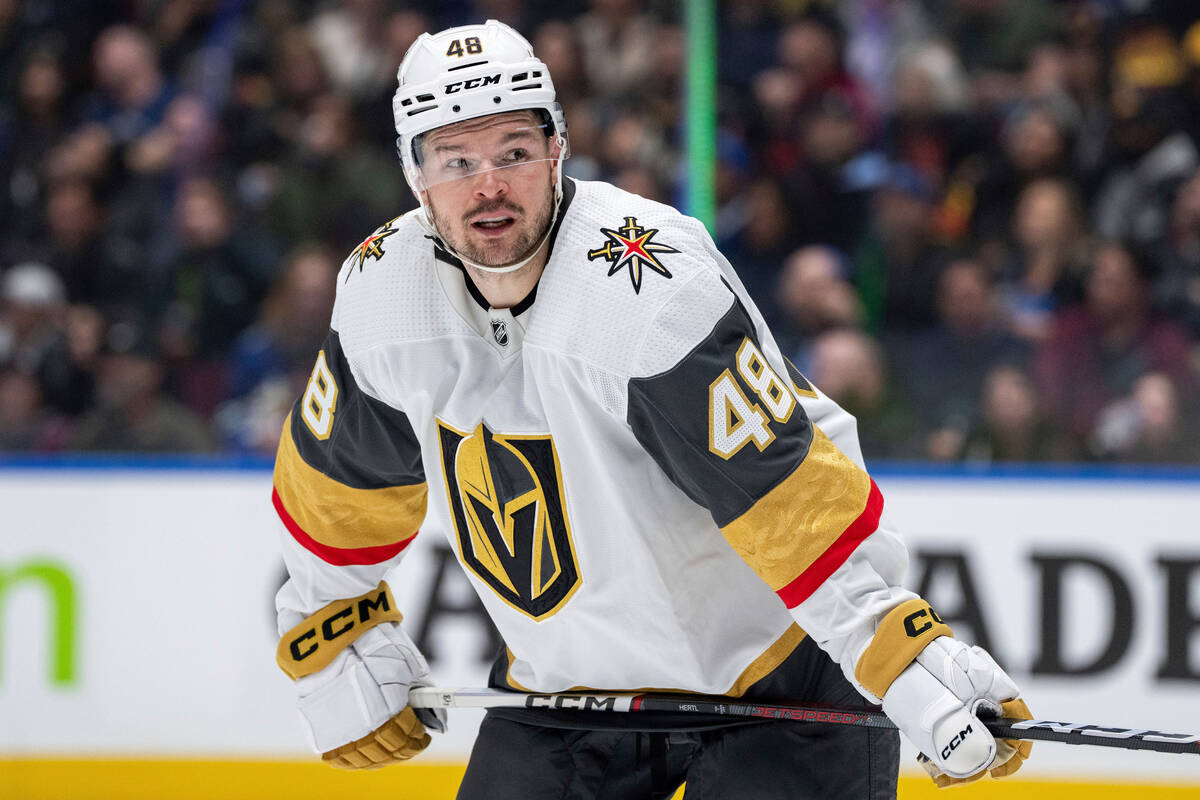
(1000, 727)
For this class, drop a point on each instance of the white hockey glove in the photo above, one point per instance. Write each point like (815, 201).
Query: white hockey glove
(935, 698)
(936, 701)
(353, 666)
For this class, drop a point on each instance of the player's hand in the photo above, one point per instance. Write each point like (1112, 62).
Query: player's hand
(936, 700)
(356, 709)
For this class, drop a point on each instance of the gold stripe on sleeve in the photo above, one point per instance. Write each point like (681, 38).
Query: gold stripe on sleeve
(336, 515)
(783, 533)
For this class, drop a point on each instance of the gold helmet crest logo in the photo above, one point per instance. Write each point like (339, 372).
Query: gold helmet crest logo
(509, 513)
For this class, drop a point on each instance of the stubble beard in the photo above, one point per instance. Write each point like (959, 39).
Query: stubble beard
(497, 255)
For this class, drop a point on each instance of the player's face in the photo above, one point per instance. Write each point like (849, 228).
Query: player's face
(490, 186)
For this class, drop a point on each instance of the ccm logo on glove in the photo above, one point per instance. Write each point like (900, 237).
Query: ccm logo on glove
(300, 650)
(956, 740)
(927, 616)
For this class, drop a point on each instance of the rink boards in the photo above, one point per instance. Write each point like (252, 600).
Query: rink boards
(137, 633)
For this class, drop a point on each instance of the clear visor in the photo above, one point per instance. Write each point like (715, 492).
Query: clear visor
(520, 151)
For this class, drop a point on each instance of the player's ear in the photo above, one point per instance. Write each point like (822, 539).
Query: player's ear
(555, 153)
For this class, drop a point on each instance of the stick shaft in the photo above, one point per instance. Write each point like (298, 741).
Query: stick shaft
(1001, 727)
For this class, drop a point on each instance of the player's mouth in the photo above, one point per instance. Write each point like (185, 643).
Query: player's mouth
(493, 225)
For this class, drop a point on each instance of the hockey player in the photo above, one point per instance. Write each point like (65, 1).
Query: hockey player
(570, 383)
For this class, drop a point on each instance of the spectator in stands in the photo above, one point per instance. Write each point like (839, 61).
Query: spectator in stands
(993, 38)
(1178, 290)
(897, 263)
(811, 84)
(32, 338)
(291, 326)
(633, 141)
(1096, 353)
(927, 122)
(945, 366)
(1147, 426)
(133, 94)
(81, 250)
(746, 44)
(557, 45)
(1085, 80)
(1046, 263)
(759, 241)
(731, 180)
(813, 47)
(133, 414)
(298, 75)
(826, 208)
(815, 296)
(1151, 155)
(273, 358)
(1012, 425)
(330, 184)
(350, 39)
(1036, 142)
(877, 36)
(617, 40)
(26, 425)
(215, 280)
(131, 101)
(849, 366)
(1190, 106)
(34, 124)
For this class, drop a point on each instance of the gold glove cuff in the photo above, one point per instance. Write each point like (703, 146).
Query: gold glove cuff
(312, 645)
(902, 634)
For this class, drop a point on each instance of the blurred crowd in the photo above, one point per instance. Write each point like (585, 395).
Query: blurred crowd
(974, 223)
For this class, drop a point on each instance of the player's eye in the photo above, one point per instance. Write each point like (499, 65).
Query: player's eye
(516, 156)
(458, 165)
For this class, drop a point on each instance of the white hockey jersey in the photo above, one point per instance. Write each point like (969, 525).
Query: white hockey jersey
(640, 488)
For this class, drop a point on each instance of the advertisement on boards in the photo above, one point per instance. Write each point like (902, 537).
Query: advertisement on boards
(137, 620)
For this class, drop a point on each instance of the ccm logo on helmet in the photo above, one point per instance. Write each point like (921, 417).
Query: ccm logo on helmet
(344, 621)
(472, 83)
(955, 741)
(925, 617)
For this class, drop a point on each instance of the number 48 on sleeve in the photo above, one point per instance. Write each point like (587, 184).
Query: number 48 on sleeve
(733, 419)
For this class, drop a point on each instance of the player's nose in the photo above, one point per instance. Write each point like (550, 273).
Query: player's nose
(491, 183)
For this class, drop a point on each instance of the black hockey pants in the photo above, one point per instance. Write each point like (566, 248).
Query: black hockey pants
(522, 754)
(769, 761)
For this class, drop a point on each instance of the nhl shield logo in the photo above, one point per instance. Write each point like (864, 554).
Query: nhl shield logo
(510, 517)
(500, 332)
(632, 247)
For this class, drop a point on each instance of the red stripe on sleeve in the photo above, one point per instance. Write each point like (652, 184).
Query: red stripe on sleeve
(828, 562)
(338, 556)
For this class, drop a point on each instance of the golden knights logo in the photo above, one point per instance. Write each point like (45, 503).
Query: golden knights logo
(510, 518)
(372, 246)
(631, 246)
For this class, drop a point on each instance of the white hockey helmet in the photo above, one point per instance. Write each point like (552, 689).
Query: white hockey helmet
(463, 73)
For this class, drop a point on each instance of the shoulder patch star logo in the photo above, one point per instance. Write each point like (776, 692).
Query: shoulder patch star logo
(371, 247)
(632, 247)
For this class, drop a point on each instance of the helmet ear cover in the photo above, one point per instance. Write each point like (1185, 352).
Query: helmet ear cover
(544, 121)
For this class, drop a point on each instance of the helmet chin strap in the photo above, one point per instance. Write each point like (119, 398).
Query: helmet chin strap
(426, 220)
